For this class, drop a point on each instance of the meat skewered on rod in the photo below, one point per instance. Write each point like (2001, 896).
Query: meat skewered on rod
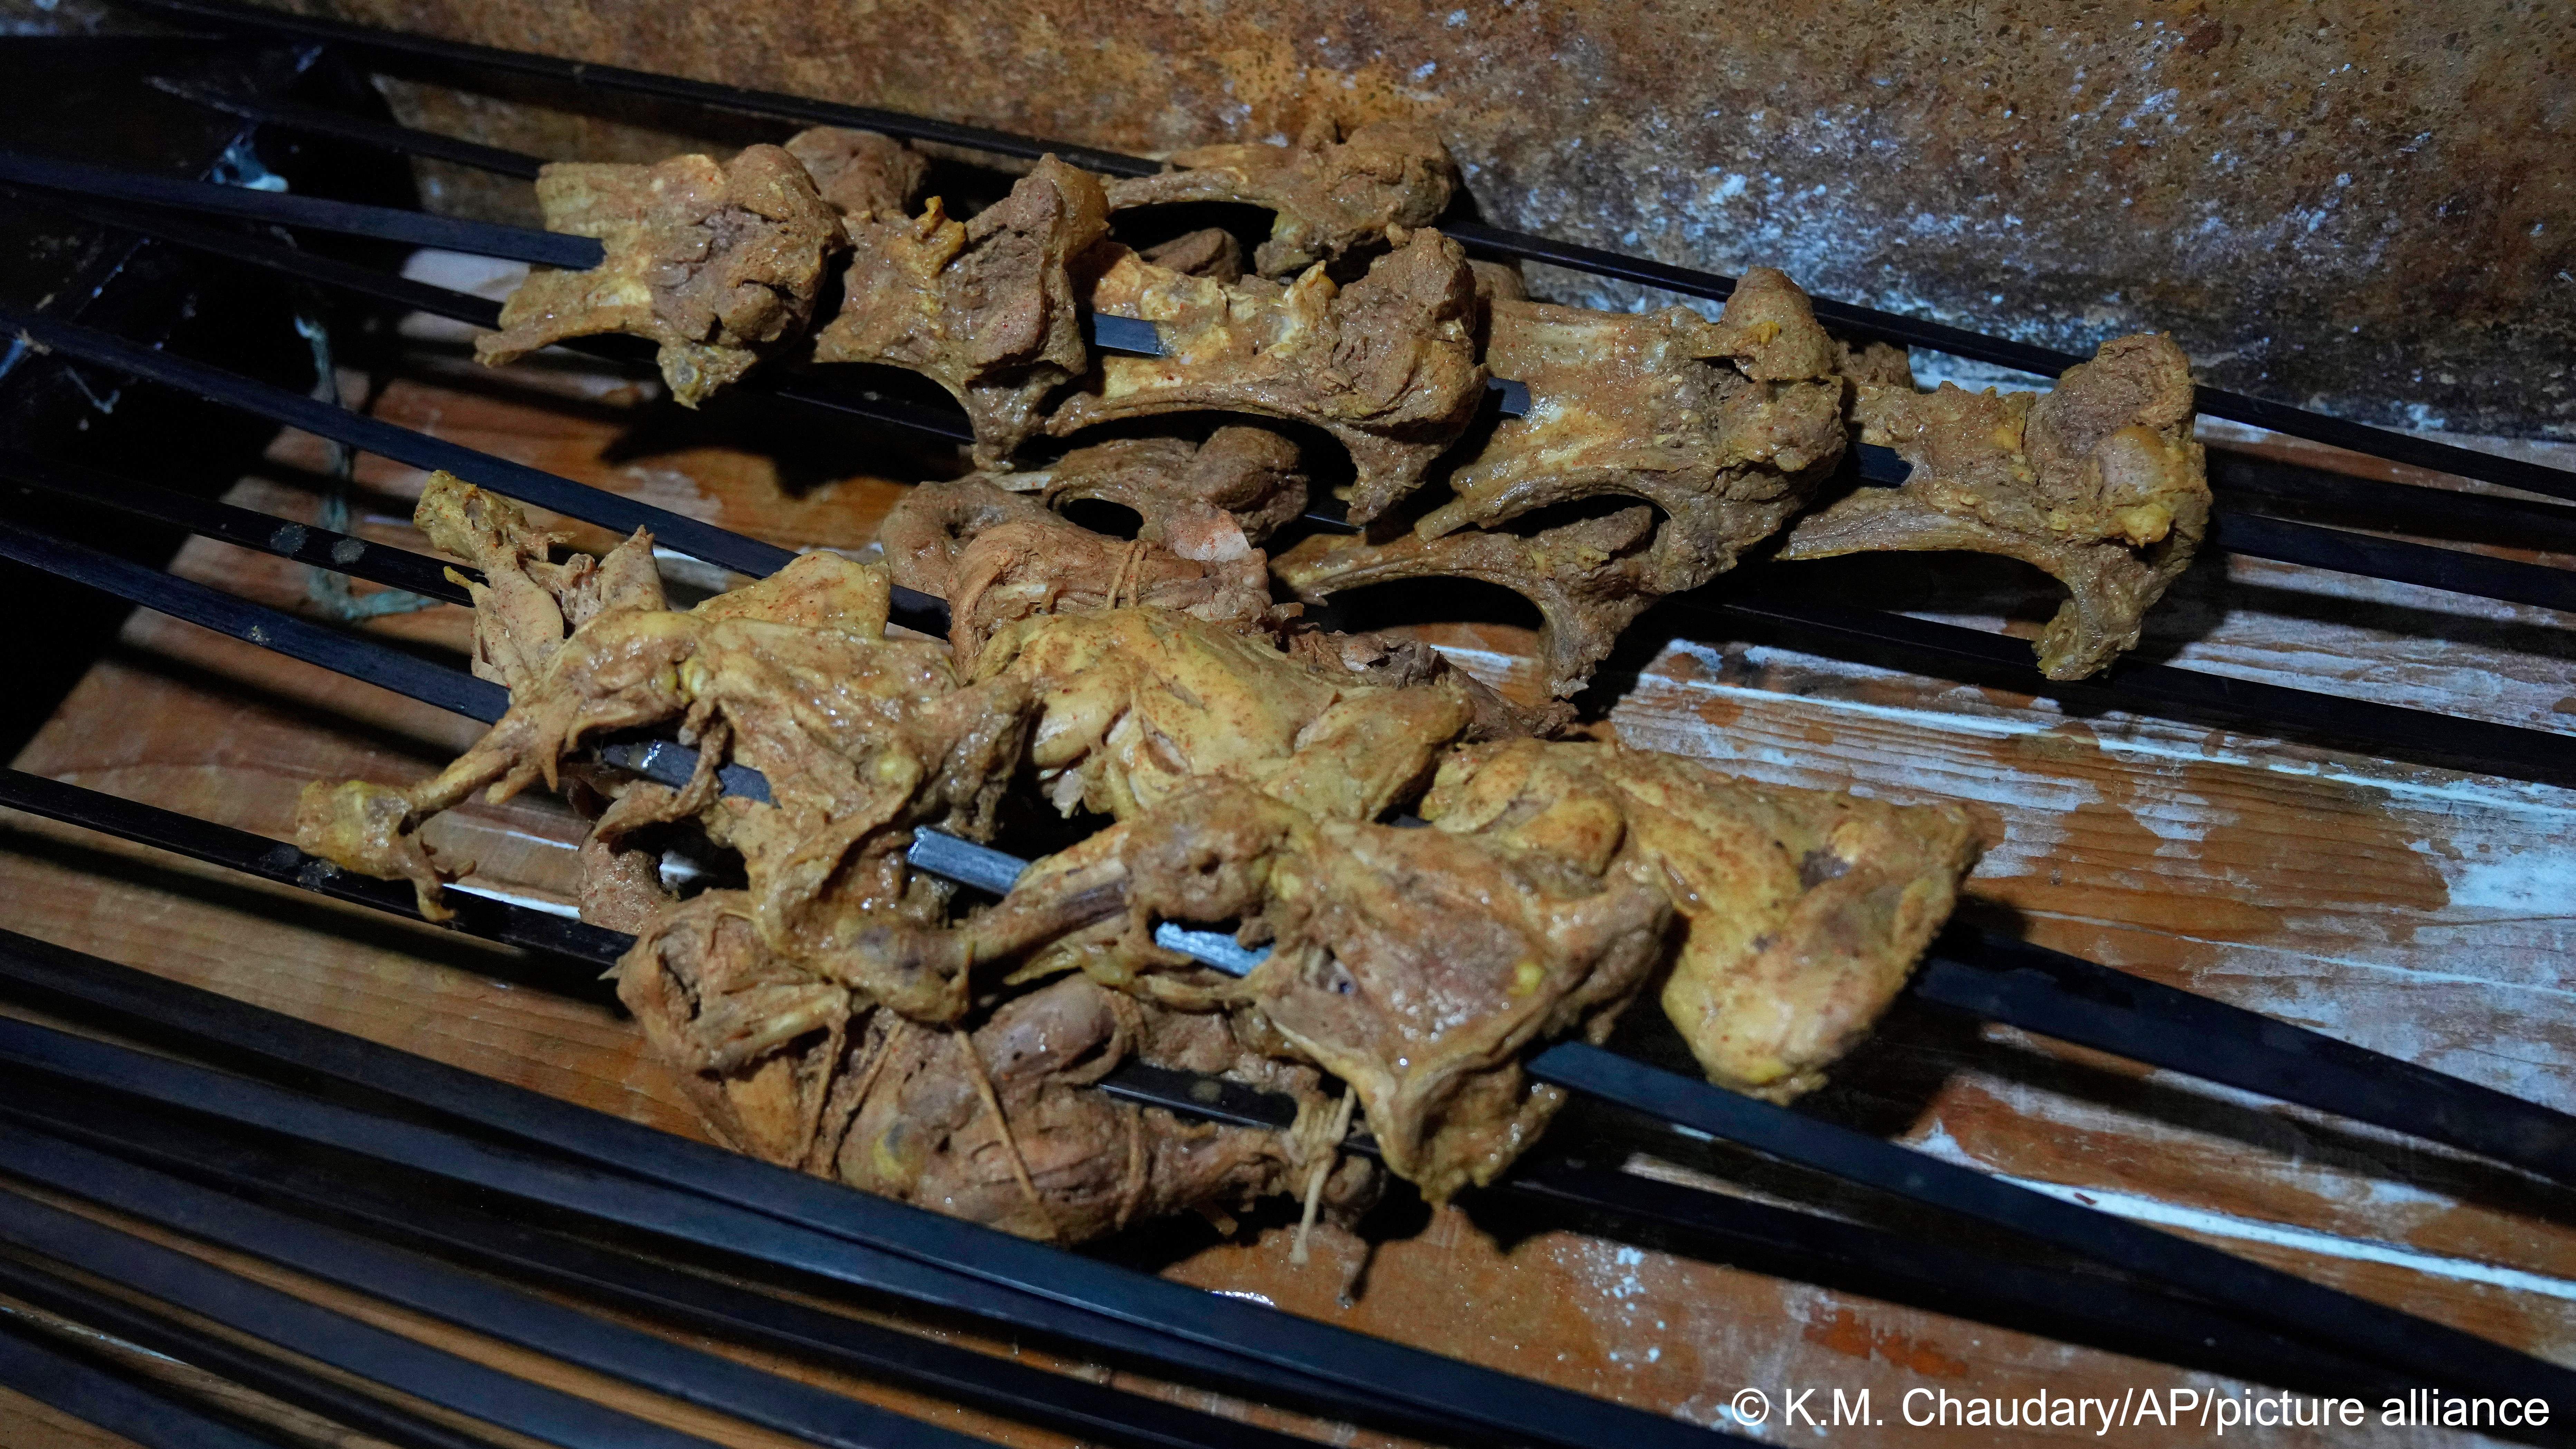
(2360, 1086)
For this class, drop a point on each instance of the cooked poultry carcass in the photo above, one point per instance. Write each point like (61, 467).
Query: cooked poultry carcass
(525, 604)
(1387, 365)
(1333, 196)
(716, 264)
(1135, 705)
(989, 307)
(861, 739)
(999, 556)
(1724, 427)
(802, 1071)
(1803, 911)
(2097, 482)
(1214, 500)
(1590, 577)
(862, 174)
(1416, 965)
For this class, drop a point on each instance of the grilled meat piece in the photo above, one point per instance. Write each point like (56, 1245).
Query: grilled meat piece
(1213, 500)
(1803, 910)
(801, 1071)
(1210, 252)
(861, 739)
(716, 264)
(989, 308)
(999, 557)
(1416, 965)
(526, 604)
(1724, 427)
(1387, 365)
(862, 174)
(1590, 578)
(1333, 196)
(2097, 482)
(1135, 705)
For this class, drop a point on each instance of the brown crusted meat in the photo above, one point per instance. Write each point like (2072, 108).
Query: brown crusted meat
(861, 173)
(997, 557)
(526, 604)
(1387, 365)
(1214, 500)
(1416, 965)
(800, 1071)
(1138, 704)
(861, 738)
(1333, 196)
(1724, 427)
(1804, 910)
(714, 263)
(1210, 252)
(988, 307)
(1590, 578)
(2098, 483)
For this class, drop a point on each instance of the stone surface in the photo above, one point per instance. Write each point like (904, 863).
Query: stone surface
(2359, 203)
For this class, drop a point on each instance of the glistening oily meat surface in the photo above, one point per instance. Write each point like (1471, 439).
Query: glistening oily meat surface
(1387, 365)
(716, 264)
(1334, 196)
(989, 307)
(1723, 427)
(1803, 911)
(2098, 482)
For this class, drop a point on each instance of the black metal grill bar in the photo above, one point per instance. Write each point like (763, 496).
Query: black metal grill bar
(2343, 551)
(2040, 976)
(388, 223)
(495, 1310)
(515, 480)
(289, 1175)
(2350, 1324)
(91, 1394)
(2217, 402)
(242, 527)
(252, 1370)
(318, 1333)
(354, 655)
(805, 1224)
(323, 121)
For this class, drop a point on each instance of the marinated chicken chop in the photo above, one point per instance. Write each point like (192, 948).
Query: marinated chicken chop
(2097, 482)
(986, 307)
(1333, 196)
(525, 603)
(1803, 911)
(861, 739)
(997, 557)
(1387, 365)
(716, 264)
(861, 173)
(1416, 965)
(997, 1125)
(1722, 427)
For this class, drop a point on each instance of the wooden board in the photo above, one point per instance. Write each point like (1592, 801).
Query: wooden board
(2418, 911)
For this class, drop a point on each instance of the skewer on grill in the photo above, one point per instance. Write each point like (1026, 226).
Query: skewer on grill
(1972, 654)
(2010, 982)
(451, 57)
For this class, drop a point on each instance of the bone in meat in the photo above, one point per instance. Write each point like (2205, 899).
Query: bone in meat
(1387, 365)
(999, 556)
(1332, 196)
(986, 307)
(861, 739)
(862, 174)
(716, 264)
(2098, 483)
(1803, 910)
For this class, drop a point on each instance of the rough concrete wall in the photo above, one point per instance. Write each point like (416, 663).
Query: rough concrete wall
(2360, 204)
